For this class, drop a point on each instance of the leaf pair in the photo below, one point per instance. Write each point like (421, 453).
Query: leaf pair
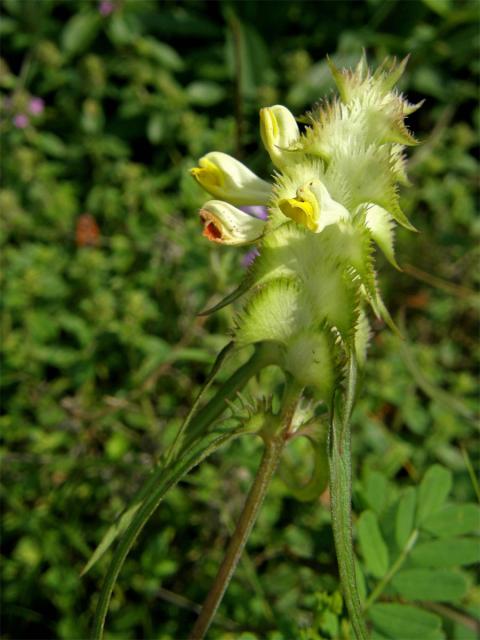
(195, 441)
(413, 545)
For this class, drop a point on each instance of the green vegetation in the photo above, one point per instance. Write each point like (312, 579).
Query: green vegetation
(104, 108)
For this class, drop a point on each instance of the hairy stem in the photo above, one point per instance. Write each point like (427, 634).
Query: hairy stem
(274, 444)
(341, 503)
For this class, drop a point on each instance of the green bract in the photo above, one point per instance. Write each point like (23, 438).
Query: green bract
(334, 194)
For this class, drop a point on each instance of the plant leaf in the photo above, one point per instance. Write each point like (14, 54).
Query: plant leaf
(163, 480)
(442, 397)
(126, 517)
(430, 584)
(404, 621)
(405, 517)
(446, 552)
(242, 288)
(454, 520)
(433, 491)
(375, 490)
(372, 544)
(80, 31)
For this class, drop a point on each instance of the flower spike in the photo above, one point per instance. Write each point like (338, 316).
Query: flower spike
(335, 196)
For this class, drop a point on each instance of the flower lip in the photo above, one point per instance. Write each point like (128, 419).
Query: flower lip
(299, 211)
(313, 207)
(269, 122)
(207, 174)
(210, 229)
(225, 224)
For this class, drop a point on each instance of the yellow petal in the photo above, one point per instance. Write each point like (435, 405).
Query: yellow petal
(298, 210)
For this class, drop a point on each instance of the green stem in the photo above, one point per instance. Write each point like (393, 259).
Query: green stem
(471, 472)
(341, 502)
(393, 570)
(237, 542)
(274, 437)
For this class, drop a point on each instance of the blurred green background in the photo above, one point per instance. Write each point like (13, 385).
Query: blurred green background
(104, 107)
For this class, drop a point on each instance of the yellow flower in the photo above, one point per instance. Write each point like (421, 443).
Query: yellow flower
(227, 178)
(225, 224)
(279, 131)
(313, 207)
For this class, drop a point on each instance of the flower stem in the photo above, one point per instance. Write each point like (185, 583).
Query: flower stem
(341, 502)
(274, 444)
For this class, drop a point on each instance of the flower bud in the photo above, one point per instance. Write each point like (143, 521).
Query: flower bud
(279, 131)
(225, 224)
(313, 207)
(228, 179)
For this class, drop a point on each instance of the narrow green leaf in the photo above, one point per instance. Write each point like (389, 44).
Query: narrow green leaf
(433, 391)
(375, 635)
(433, 491)
(446, 552)
(264, 355)
(160, 52)
(454, 520)
(405, 516)
(165, 479)
(404, 621)
(125, 519)
(119, 526)
(205, 93)
(372, 544)
(50, 144)
(80, 31)
(122, 28)
(217, 365)
(156, 128)
(243, 287)
(442, 7)
(375, 490)
(430, 584)
(247, 55)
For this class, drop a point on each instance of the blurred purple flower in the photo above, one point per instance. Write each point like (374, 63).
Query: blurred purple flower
(106, 7)
(249, 257)
(36, 106)
(256, 211)
(21, 121)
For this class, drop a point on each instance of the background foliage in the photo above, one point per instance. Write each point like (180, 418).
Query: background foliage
(104, 106)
